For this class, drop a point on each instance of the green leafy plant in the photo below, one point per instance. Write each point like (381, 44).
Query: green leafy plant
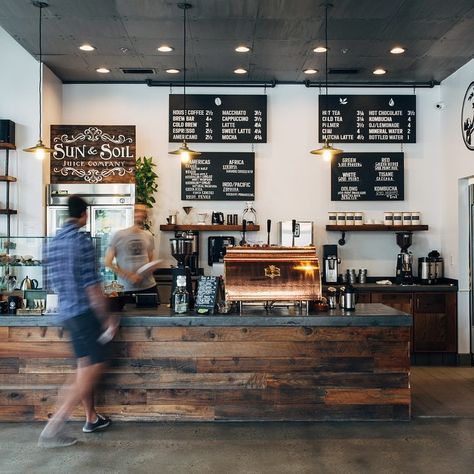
(145, 184)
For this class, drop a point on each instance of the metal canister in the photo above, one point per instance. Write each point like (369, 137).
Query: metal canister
(348, 298)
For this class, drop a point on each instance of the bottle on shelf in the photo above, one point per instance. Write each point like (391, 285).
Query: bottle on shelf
(180, 296)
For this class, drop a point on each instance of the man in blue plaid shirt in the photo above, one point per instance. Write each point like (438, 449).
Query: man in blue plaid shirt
(72, 271)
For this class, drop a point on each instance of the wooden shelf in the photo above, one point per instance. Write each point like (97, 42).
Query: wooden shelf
(375, 228)
(9, 179)
(8, 211)
(206, 227)
(7, 146)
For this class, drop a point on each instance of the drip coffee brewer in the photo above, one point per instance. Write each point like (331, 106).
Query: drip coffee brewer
(182, 251)
(404, 273)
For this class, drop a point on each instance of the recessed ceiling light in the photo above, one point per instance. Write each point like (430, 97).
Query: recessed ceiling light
(320, 49)
(397, 50)
(310, 71)
(242, 49)
(240, 70)
(165, 49)
(86, 47)
(379, 71)
(103, 70)
(173, 71)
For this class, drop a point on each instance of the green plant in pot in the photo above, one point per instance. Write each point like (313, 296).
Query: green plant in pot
(146, 184)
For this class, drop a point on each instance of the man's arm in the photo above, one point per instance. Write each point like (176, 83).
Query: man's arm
(109, 263)
(98, 303)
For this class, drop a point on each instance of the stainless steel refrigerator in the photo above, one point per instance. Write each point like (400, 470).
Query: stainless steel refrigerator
(110, 209)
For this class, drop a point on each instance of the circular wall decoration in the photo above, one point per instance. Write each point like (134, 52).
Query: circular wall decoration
(467, 117)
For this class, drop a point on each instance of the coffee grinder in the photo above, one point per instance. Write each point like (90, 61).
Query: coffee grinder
(404, 274)
(331, 263)
(182, 251)
(193, 259)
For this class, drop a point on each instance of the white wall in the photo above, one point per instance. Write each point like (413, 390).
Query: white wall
(290, 183)
(19, 102)
(458, 165)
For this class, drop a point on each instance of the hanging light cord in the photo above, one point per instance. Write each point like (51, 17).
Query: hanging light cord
(40, 75)
(184, 64)
(326, 56)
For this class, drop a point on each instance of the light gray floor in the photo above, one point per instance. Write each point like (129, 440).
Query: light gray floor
(421, 446)
(439, 439)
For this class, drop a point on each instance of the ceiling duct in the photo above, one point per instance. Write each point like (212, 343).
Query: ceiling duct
(343, 71)
(137, 70)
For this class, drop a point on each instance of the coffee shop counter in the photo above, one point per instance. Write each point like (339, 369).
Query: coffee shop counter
(255, 366)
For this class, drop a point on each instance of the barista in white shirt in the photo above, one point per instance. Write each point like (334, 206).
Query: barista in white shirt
(130, 249)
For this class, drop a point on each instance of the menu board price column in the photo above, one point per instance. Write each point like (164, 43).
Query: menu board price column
(367, 118)
(218, 119)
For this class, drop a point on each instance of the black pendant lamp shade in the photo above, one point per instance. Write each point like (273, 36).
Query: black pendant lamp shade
(184, 152)
(40, 150)
(327, 151)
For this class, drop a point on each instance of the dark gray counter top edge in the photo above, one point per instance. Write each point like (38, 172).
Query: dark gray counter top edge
(216, 321)
(366, 315)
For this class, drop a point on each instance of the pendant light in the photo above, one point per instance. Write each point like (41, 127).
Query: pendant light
(184, 152)
(327, 151)
(40, 150)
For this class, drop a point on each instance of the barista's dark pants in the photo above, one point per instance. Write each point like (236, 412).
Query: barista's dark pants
(130, 295)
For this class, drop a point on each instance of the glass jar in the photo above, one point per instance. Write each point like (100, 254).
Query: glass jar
(249, 214)
(180, 296)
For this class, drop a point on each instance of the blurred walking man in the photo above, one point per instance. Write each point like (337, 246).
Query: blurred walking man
(73, 275)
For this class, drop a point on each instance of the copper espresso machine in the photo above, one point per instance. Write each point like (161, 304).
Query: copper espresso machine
(272, 274)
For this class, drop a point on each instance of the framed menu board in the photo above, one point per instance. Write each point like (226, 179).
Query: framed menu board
(219, 177)
(218, 118)
(367, 177)
(367, 118)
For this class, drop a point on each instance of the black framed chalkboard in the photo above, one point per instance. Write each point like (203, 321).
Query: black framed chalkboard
(367, 177)
(367, 118)
(207, 294)
(219, 177)
(218, 118)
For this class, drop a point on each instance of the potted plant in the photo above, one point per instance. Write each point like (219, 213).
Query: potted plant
(145, 184)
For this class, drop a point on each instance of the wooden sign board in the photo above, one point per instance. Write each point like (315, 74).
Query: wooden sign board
(219, 177)
(218, 118)
(367, 118)
(93, 154)
(367, 177)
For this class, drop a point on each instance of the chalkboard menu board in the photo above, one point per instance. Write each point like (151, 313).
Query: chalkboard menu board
(218, 118)
(367, 177)
(219, 177)
(207, 293)
(367, 118)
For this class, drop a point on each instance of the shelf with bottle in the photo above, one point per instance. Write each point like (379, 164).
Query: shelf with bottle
(209, 227)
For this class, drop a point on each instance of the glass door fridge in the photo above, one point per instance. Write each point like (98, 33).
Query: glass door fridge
(105, 221)
(56, 216)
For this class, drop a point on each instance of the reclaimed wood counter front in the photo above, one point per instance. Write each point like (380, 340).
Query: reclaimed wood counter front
(330, 366)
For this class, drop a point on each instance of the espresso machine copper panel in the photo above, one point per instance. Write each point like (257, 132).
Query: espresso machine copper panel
(272, 274)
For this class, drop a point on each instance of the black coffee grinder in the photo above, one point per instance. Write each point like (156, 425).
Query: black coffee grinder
(404, 274)
(182, 251)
